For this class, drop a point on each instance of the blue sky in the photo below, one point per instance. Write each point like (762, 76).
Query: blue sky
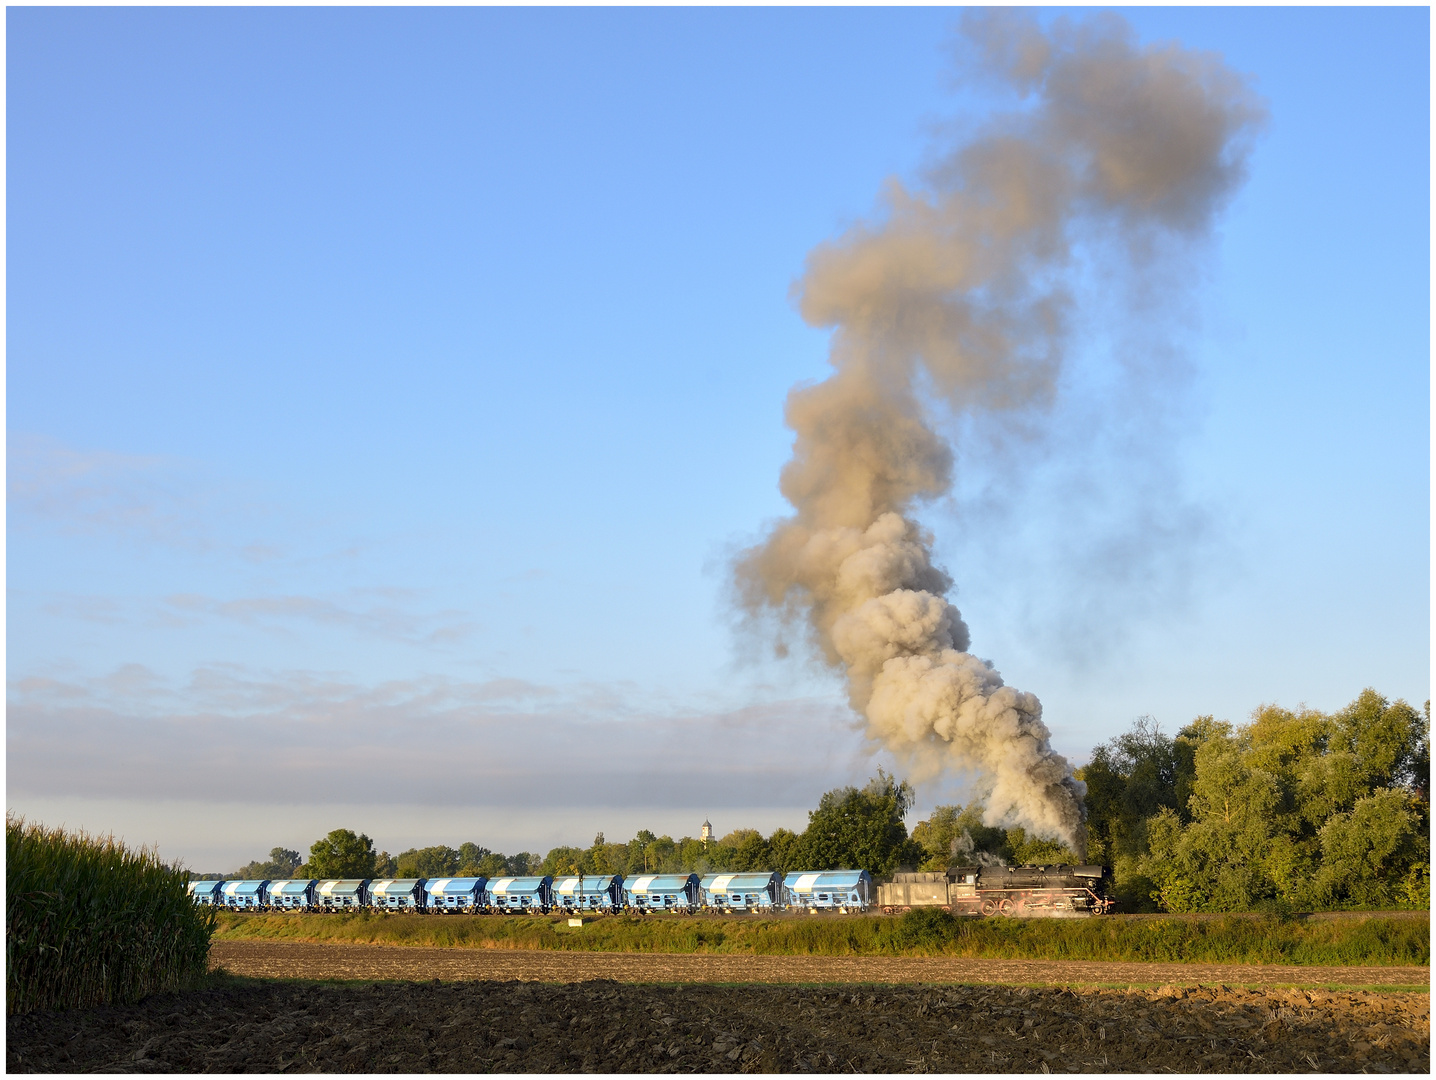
(389, 389)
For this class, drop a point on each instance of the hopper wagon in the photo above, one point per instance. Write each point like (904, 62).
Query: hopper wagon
(664, 892)
(296, 894)
(521, 894)
(589, 892)
(455, 894)
(743, 892)
(347, 894)
(244, 895)
(830, 890)
(206, 892)
(398, 894)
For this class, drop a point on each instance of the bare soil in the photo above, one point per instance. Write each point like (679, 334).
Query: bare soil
(481, 1026)
(306, 960)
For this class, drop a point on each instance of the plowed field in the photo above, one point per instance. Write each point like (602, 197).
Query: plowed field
(615, 1027)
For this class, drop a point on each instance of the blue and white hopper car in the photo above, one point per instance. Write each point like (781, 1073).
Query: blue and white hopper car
(584, 892)
(663, 892)
(743, 892)
(293, 895)
(841, 890)
(346, 894)
(243, 895)
(450, 894)
(521, 893)
(205, 892)
(398, 894)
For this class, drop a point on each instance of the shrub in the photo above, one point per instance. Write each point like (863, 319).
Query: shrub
(926, 929)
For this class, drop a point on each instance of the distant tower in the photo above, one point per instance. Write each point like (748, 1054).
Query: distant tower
(706, 833)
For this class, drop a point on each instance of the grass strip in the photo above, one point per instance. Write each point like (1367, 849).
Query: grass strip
(1234, 939)
(89, 922)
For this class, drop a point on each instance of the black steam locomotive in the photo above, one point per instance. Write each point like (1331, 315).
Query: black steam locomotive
(1000, 890)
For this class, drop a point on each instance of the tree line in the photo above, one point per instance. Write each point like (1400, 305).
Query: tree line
(1293, 810)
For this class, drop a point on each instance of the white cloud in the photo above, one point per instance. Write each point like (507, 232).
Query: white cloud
(384, 620)
(232, 734)
(159, 499)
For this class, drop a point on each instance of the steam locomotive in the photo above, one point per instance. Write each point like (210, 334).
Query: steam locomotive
(1000, 890)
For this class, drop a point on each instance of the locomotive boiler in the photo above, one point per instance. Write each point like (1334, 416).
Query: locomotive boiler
(1000, 890)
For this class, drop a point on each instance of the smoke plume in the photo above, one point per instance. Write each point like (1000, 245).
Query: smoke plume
(956, 301)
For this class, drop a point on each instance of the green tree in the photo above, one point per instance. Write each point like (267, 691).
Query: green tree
(751, 853)
(470, 856)
(606, 858)
(1228, 850)
(525, 862)
(863, 829)
(342, 854)
(562, 861)
(430, 862)
(1299, 810)
(956, 836)
(1036, 850)
(1368, 853)
(693, 856)
(1129, 780)
(741, 850)
(785, 851)
(492, 865)
(280, 865)
(636, 855)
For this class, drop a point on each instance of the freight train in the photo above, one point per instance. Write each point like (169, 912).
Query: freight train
(819, 890)
(1000, 890)
(1016, 890)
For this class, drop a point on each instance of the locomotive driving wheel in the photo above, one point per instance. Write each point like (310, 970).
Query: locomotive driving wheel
(1005, 907)
(989, 907)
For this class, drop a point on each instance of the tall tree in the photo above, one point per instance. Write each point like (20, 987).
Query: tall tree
(281, 864)
(1130, 779)
(561, 861)
(785, 851)
(862, 829)
(342, 854)
(470, 856)
(956, 835)
(437, 861)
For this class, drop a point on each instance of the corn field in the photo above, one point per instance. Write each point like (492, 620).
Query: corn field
(89, 922)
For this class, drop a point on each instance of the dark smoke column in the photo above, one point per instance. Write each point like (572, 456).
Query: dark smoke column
(958, 299)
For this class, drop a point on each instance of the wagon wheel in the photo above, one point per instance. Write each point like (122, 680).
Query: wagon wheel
(1005, 907)
(989, 907)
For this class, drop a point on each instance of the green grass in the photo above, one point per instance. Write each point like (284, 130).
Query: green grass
(88, 922)
(1233, 939)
